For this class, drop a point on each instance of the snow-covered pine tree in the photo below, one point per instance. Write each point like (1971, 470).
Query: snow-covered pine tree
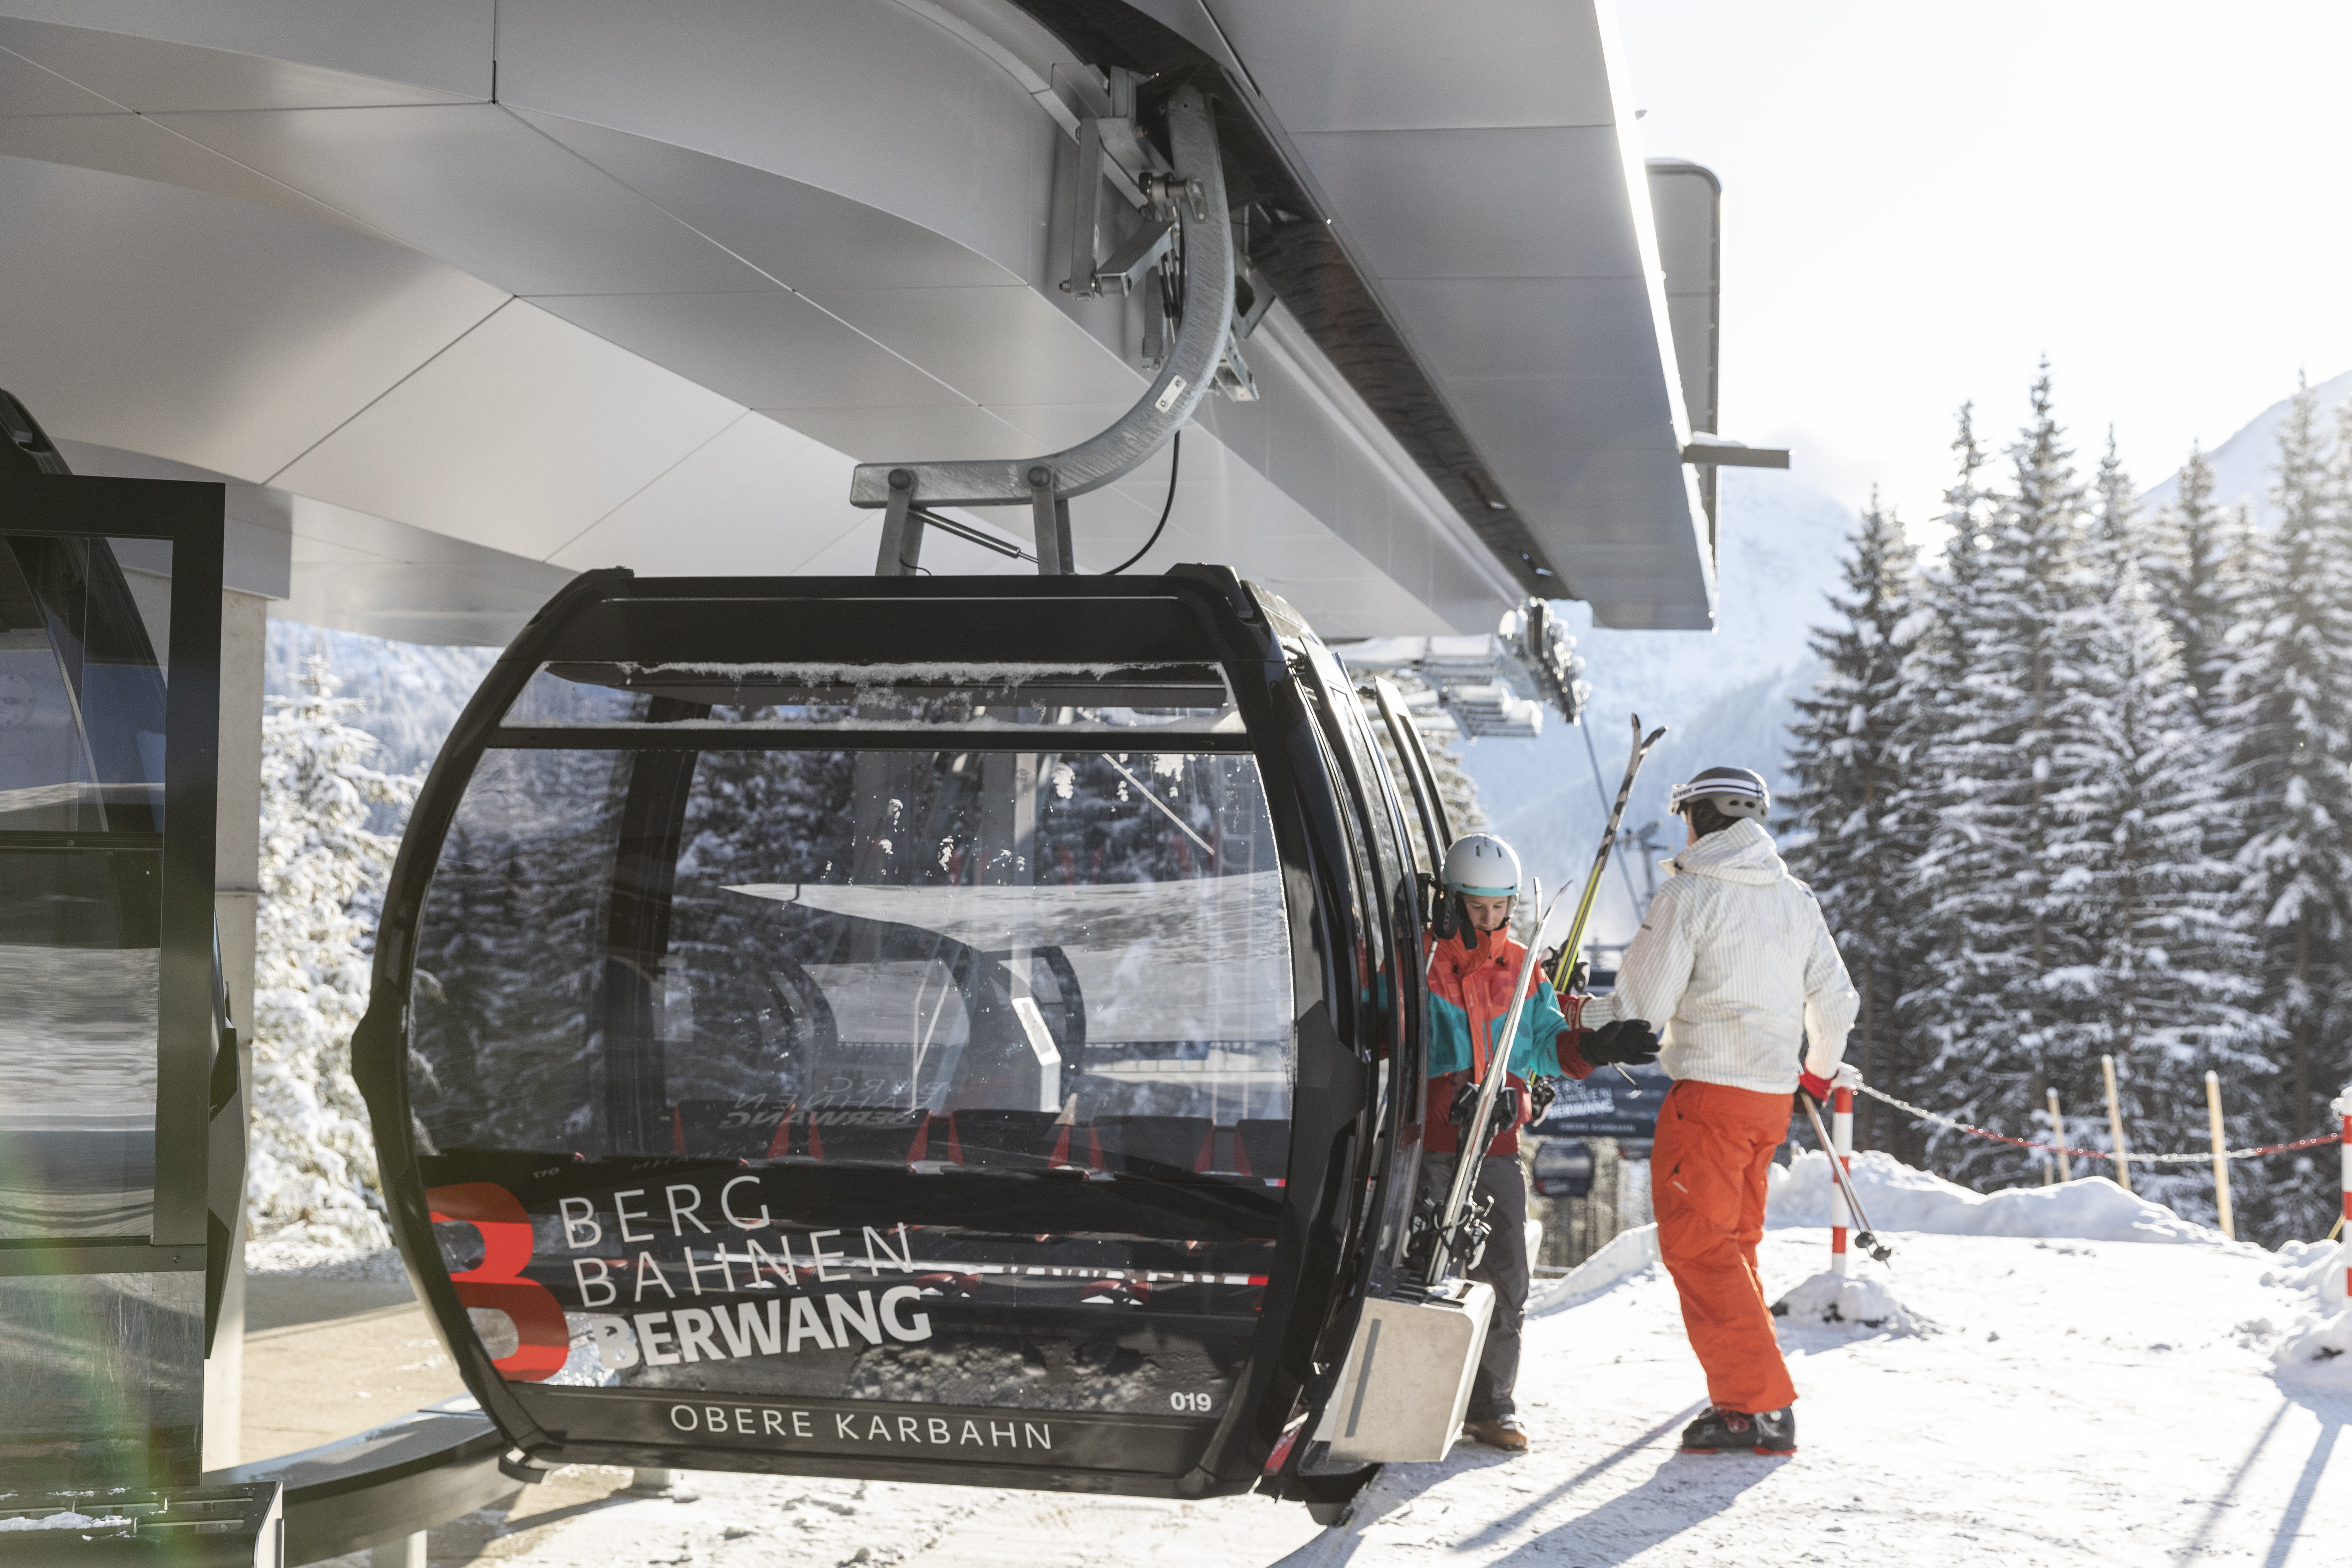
(2188, 576)
(2000, 751)
(313, 1160)
(1933, 1012)
(1853, 840)
(2116, 531)
(2167, 984)
(2288, 695)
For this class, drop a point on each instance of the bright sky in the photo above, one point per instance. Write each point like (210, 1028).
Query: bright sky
(1922, 199)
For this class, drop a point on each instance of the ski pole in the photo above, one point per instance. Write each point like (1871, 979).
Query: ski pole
(1862, 1237)
(1574, 943)
(1473, 1139)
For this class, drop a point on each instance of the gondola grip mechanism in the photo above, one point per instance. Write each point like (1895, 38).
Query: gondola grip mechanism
(1193, 198)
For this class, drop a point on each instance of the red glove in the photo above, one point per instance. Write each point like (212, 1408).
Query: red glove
(1813, 1083)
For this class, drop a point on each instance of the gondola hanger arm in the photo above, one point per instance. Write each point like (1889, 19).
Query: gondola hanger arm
(1193, 198)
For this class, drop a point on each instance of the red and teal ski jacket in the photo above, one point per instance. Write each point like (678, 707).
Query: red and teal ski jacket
(1469, 997)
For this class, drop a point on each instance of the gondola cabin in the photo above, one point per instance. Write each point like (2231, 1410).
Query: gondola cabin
(925, 1028)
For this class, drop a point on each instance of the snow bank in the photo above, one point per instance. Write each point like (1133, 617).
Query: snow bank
(1629, 1254)
(1851, 1301)
(1900, 1198)
(2318, 1349)
(2321, 1353)
(2313, 1266)
(67, 1521)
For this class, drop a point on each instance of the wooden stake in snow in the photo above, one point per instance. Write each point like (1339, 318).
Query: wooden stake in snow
(2221, 1155)
(1841, 1146)
(2115, 1125)
(2058, 1134)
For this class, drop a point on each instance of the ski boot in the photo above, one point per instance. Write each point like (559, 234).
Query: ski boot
(1721, 1431)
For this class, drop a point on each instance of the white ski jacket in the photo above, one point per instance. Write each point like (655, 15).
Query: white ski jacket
(1737, 968)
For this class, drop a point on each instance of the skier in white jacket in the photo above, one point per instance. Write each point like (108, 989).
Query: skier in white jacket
(1735, 956)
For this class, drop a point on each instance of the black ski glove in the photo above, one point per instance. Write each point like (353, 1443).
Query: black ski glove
(1540, 1094)
(1466, 1106)
(1628, 1041)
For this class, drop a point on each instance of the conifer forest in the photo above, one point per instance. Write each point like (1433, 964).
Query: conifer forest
(2076, 784)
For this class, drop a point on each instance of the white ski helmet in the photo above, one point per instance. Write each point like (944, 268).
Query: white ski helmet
(1483, 866)
(1735, 791)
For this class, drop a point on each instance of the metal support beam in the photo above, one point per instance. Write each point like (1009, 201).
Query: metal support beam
(1049, 516)
(1195, 196)
(902, 530)
(1086, 211)
(1731, 454)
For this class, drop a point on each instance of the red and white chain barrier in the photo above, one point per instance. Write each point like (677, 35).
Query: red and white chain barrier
(1842, 1137)
(1924, 1114)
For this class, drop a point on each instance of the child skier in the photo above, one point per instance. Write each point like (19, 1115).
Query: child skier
(1471, 976)
(1735, 955)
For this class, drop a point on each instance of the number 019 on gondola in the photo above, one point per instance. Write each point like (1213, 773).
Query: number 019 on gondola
(926, 1028)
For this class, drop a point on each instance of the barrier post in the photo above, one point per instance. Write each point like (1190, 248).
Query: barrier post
(2221, 1156)
(2344, 1108)
(2058, 1135)
(1842, 1143)
(2115, 1125)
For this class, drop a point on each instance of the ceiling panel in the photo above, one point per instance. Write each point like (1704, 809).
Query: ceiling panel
(1523, 415)
(534, 429)
(151, 76)
(125, 143)
(1383, 65)
(873, 100)
(993, 345)
(477, 187)
(1056, 427)
(774, 348)
(1529, 326)
(758, 498)
(443, 44)
(216, 332)
(798, 233)
(1480, 203)
(908, 435)
(27, 88)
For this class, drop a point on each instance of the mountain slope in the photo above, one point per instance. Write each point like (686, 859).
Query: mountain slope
(2243, 464)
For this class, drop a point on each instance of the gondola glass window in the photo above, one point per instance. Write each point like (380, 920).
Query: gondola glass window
(81, 805)
(917, 1033)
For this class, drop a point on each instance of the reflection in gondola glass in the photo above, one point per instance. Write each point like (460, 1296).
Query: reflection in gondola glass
(794, 1065)
(81, 770)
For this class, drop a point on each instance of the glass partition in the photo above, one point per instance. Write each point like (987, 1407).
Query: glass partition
(996, 1044)
(81, 789)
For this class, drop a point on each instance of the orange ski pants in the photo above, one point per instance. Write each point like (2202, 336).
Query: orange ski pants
(1706, 1185)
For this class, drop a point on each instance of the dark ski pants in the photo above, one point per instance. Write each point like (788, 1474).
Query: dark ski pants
(1505, 1267)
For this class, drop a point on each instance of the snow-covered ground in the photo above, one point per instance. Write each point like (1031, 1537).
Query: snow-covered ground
(2084, 1379)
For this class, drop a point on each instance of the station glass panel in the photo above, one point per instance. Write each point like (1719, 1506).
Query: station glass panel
(81, 790)
(915, 1068)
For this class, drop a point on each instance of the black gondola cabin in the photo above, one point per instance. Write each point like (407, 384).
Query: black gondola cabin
(923, 1028)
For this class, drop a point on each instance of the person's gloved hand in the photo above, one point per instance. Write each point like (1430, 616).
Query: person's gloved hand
(1629, 1042)
(1813, 1083)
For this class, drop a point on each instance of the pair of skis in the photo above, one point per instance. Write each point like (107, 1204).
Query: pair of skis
(1474, 1135)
